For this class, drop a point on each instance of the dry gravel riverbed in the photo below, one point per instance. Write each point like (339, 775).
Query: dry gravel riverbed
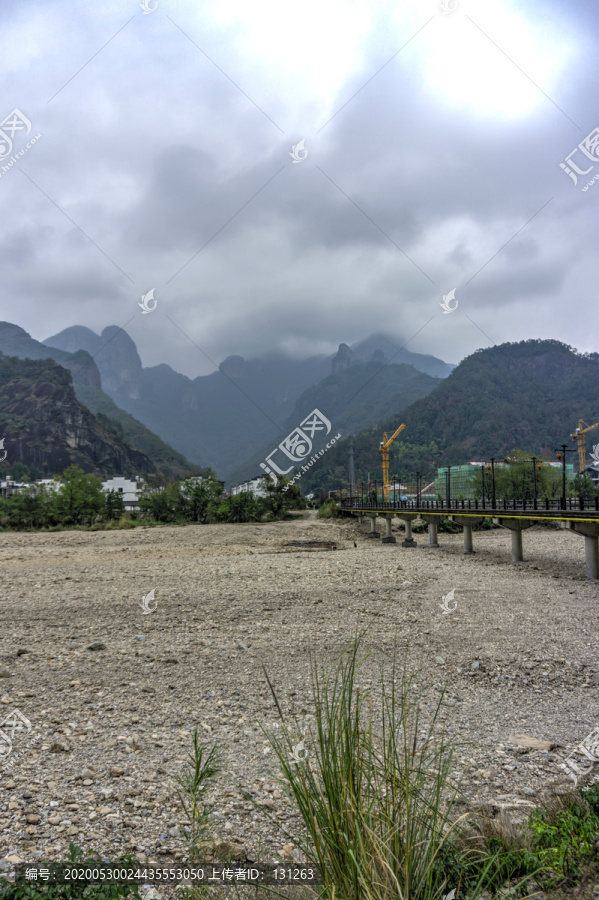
(111, 726)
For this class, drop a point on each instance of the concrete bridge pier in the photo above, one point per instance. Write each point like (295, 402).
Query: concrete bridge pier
(373, 533)
(467, 522)
(432, 530)
(388, 539)
(590, 533)
(516, 526)
(408, 518)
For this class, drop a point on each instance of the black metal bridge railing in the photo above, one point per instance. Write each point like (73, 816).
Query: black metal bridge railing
(574, 504)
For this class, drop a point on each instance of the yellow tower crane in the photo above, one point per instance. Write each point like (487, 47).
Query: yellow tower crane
(579, 436)
(384, 448)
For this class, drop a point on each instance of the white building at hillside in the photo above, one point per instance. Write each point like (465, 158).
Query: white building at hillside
(7, 488)
(51, 484)
(253, 486)
(130, 490)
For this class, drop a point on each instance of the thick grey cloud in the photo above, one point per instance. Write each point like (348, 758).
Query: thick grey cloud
(160, 167)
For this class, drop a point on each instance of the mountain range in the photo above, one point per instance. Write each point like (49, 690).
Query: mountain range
(528, 395)
(226, 419)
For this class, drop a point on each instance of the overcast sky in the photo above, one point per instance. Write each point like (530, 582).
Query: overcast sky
(433, 139)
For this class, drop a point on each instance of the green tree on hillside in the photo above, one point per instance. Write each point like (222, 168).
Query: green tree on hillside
(515, 480)
(162, 503)
(29, 508)
(80, 498)
(584, 486)
(280, 496)
(196, 494)
(114, 506)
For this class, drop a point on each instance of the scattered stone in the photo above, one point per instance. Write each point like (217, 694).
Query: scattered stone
(225, 850)
(287, 851)
(116, 771)
(97, 645)
(59, 746)
(4, 673)
(266, 605)
(526, 744)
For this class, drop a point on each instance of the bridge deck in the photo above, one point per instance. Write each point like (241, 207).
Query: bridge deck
(575, 510)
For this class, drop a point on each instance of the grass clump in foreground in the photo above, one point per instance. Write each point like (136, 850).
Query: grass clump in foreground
(377, 797)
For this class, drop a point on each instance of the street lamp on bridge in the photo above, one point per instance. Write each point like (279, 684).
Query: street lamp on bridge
(562, 455)
(493, 480)
(534, 478)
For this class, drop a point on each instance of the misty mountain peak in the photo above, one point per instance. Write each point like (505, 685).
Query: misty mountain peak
(345, 359)
(8, 330)
(233, 366)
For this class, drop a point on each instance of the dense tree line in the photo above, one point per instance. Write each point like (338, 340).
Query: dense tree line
(80, 500)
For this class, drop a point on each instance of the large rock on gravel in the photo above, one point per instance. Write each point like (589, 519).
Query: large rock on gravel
(523, 743)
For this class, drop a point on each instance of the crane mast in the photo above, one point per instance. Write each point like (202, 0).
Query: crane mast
(384, 448)
(579, 435)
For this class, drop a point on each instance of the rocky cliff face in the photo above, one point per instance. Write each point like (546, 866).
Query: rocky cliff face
(119, 364)
(44, 424)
